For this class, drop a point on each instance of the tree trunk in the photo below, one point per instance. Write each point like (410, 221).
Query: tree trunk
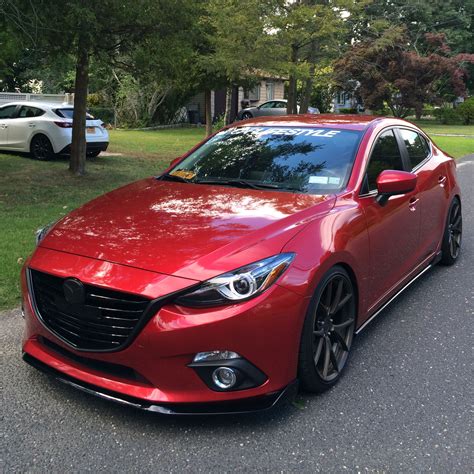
(207, 111)
(292, 107)
(228, 105)
(418, 111)
(308, 87)
(77, 164)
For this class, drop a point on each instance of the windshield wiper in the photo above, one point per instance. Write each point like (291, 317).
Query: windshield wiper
(173, 177)
(241, 183)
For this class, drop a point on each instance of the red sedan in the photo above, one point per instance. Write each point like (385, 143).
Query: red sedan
(245, 268)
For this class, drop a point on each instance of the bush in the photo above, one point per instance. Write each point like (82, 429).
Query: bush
(219, 122)
(447, 115)
(348, 111)
(103, 113)
(466, 111)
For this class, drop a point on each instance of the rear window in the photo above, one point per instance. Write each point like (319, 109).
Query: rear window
(307, 160)
(29, 112)
(69, 114)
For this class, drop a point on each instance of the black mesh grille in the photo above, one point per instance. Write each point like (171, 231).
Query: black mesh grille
(104, 321)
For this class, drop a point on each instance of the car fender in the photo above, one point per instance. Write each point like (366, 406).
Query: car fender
(338, 238)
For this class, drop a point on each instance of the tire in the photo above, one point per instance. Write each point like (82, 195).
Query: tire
(246, 116)
(452, 236)
(328, 332)
(93, 154)
(41, 148)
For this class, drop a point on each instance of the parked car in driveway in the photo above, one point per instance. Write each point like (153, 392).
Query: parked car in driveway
(45, 129)
(243, 270)
(271, 107)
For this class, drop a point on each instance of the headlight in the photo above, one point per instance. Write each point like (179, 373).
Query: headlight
(241, 284)
(42, 232)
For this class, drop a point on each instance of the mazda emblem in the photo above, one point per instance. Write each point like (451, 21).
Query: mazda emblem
(74, 292)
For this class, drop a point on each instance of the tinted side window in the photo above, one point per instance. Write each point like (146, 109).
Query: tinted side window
(69, 114)
(268, 105)
(385, 156)
(7, 112)
(27, 111)
(416, 145)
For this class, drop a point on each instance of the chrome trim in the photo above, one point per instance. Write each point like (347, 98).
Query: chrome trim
(396, 295)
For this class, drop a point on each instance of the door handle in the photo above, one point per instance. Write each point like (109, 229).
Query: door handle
(31, 125)
(412, 203)
(442, 181)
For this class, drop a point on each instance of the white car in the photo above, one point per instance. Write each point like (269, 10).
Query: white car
(45, 129)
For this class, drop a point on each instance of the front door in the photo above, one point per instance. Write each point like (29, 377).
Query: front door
(432, 186)
(393, 228)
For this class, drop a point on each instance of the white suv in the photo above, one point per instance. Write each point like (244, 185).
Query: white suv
(45, 129)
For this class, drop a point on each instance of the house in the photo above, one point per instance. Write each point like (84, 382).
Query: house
(268, 88)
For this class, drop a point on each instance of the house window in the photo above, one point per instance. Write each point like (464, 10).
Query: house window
(270, 86)
(252, 94)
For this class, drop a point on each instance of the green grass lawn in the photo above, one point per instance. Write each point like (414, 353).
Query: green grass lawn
(431, 128)
(35, 193)
(166, 143)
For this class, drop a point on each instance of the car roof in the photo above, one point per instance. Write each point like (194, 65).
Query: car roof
(37, 103)
(341, 121)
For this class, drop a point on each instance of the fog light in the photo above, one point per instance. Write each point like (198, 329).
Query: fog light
(224, 377)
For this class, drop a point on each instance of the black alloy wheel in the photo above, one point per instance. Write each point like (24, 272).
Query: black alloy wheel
(246, 116)
(451, 245)
(41, 148)
(328, 332)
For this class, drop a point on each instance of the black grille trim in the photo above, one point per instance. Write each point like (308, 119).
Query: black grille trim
(153, 306)
(105, 321)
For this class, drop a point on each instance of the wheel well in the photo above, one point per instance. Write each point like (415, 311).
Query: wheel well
(37, 135)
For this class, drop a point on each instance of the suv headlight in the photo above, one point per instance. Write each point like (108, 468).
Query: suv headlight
(238, 285)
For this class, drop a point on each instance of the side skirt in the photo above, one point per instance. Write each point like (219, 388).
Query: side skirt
(399, 292)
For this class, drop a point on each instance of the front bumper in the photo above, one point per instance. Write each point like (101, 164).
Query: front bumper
(265, 331)
(257, 404)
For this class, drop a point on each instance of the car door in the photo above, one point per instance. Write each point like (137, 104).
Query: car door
(433, 191)
(265, 109)
(280, 108)
(23, 126)
(393, 228)
(6, 114)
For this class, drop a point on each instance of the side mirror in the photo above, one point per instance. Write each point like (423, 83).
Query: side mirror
(175, 161)
(393, 182)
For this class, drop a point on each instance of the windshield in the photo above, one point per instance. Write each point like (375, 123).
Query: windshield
(308, 160)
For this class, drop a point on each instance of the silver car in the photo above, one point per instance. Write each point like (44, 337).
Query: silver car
(271, 107)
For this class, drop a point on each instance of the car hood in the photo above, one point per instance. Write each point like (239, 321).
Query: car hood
(189, 230)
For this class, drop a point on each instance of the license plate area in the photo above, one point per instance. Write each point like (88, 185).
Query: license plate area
(90, 129)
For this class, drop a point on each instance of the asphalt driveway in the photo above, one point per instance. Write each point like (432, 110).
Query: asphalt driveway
(404, 405)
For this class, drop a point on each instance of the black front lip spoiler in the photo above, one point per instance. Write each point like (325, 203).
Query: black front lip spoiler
(251, 405)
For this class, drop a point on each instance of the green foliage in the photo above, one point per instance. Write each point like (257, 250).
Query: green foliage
(218, 123)
(347, 111)
(447, 115)
(105, 114)
(466, 111)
